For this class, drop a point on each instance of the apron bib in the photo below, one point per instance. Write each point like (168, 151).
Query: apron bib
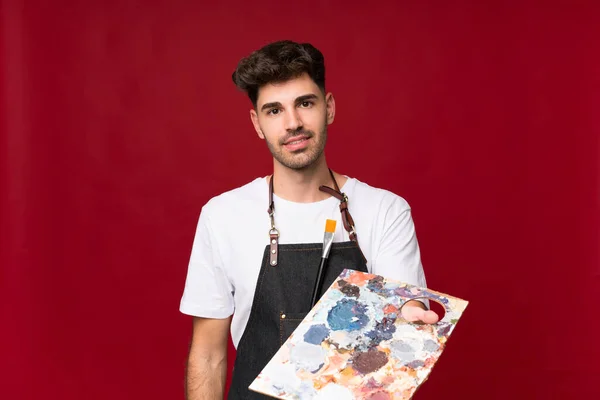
(283, 294)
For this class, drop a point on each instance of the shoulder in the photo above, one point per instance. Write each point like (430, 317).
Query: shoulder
(381, 199)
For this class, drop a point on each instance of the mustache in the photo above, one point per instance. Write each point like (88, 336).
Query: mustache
(299, 132)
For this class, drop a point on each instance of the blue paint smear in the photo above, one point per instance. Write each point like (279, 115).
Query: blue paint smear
(317, 370)
(340, 317)
(430, 346)
(384, 330)
(316, 334)
(376, 285)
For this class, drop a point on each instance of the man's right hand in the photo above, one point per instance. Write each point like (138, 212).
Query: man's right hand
(207, 361)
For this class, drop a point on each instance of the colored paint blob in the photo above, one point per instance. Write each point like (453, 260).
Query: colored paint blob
(384, 330)
(373, 384)
(377, 285)
(444, 329)
(390, 309)
(404, 350)
(369, 361)
(404, 292)
(415, 364)
(430, 346)
(308, 357)
(351, 290)
(316, 334)
(347, 315)
(380, 396)
(334, 391)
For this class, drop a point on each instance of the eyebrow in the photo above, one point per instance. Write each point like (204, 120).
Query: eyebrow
(298, 100)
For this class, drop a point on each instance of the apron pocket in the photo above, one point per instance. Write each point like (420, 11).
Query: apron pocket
(287, 324)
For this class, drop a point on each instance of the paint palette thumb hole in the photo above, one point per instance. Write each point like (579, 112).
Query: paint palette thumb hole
(430, 303)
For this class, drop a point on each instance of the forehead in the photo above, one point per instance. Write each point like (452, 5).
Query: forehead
(287, 91)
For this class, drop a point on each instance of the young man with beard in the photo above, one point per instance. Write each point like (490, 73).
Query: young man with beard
(257, 247)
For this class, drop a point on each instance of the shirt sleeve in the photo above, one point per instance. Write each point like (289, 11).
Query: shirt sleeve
(207, 292)
(398, 255)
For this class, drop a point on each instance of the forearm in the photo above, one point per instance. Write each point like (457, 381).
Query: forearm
(206, 376)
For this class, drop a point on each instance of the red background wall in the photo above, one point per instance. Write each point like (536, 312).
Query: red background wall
(119, 120)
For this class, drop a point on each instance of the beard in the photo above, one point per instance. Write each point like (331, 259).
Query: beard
(303, 158)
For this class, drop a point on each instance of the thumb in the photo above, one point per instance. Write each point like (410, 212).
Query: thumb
(429, 317)
(417, 314)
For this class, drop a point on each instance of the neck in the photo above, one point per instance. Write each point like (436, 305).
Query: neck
(302, 186)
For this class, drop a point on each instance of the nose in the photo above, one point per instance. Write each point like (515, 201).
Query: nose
(292, 120)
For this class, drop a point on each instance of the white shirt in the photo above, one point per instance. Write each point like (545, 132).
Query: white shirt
(233, 231)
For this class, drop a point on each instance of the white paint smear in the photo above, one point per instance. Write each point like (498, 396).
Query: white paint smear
(333, 391)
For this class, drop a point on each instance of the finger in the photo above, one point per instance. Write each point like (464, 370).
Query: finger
(429, 317)
(413, 314)
(417, 314)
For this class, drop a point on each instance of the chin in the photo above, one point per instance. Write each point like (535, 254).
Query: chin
(300, 164)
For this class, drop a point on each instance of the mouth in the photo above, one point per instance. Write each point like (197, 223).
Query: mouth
(296, 142)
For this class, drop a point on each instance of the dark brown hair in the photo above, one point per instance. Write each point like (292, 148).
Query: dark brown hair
(279, 62)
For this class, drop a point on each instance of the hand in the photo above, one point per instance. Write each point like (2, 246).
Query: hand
(414, 311)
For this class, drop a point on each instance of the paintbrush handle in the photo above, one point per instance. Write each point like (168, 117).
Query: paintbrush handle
(318, 282)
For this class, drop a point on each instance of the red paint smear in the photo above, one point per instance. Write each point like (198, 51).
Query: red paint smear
(390, 308)
(358, 278)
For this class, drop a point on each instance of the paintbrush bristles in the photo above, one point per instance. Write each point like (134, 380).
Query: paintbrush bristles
(330, 226)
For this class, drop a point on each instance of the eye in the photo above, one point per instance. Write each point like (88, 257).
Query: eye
(273, 111)
(306, 104)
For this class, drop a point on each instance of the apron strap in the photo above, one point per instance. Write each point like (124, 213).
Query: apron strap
(273, 232)
(346, 217)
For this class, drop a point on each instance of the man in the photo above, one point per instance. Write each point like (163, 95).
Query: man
(280, 220)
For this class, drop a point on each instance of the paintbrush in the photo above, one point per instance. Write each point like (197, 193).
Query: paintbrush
(327, 242)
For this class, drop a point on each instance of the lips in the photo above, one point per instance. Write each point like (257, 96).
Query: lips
(296, 139)
(296, 143)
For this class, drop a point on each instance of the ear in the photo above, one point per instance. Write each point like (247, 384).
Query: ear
(254, 118)
(330, 102)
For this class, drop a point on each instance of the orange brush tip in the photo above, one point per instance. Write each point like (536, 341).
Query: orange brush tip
(330, 226)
